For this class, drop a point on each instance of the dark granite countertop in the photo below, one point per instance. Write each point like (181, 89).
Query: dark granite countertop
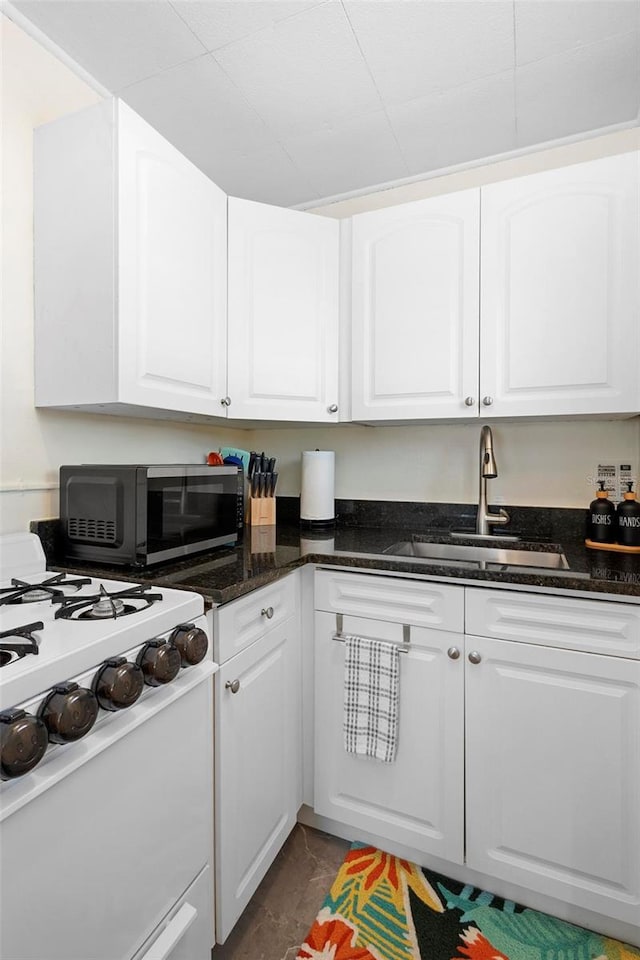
(269, 553)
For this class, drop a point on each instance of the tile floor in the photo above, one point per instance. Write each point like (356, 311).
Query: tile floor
(285, 904)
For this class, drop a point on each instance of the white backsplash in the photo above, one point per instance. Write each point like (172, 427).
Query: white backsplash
(539, 464)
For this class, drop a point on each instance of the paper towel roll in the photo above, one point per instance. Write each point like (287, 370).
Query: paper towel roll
(317, 496)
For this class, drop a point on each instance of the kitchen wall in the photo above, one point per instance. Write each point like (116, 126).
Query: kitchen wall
(540, 463)
(36, 88)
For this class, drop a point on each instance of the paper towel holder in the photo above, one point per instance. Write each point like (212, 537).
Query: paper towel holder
(317, 505)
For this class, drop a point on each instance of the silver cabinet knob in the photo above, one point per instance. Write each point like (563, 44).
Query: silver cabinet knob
(469, 401)
(332, 408)
(226, 401)
(233, 685)
(267, 612)
(453, 653)
(487, 401)
(474, 657)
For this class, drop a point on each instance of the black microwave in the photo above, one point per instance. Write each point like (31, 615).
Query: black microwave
(141, 515)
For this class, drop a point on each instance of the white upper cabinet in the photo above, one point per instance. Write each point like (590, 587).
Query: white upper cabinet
(560, 292)
(172, 277)
(130, 241)
(283, 314)
(415, 309)
(522, 299)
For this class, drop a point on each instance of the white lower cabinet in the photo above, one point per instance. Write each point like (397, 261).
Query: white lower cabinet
(519, 758)
(417, 800)
(257, 765)
(553, 772)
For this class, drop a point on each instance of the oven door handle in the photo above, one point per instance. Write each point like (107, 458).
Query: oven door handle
(175, 930)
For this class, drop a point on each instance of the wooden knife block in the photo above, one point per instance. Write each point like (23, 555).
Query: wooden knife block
(262, 511)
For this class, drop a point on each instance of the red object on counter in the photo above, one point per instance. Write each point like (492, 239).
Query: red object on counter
(214, 459)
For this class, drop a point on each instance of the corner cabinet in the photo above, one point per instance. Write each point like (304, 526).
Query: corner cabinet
(283, 314)
(130, 270)
(415, 309)
(560, 291)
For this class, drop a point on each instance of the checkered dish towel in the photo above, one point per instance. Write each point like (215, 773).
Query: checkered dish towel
(371, 678)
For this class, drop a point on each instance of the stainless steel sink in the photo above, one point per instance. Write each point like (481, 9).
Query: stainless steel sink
(482, 556)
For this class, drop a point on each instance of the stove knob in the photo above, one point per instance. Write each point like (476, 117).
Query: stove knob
(159, 661)
(69, 712)
(118, 684)
(23, 743)
(191, 642)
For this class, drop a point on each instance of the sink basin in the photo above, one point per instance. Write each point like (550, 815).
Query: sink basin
(482, 556)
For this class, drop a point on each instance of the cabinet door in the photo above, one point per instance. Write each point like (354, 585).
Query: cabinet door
(172, 275)
(415, 309)
(257, 766)
(561, 291)
(283, 313)
(553, 773)
(418, 799)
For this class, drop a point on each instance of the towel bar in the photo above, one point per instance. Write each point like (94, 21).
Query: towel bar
(406, 635)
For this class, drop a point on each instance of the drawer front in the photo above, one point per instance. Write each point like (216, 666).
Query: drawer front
(417, 602)
(187, 931)
(596, 626)
(239, 623)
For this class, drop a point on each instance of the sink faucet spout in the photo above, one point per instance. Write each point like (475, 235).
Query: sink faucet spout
(488, 471)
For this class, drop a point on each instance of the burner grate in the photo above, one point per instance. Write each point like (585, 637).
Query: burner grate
(53, 587)
(105, 605)
(23, 643)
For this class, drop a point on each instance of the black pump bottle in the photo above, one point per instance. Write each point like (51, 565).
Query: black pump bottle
(628, 517)
(602, 518)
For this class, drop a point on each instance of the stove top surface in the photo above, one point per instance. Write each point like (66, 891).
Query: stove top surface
(61, 630)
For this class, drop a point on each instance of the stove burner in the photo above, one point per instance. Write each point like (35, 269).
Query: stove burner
(105, 605)
(53, 587)
(23, 643)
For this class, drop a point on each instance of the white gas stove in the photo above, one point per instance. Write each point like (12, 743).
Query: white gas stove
(123, 669)
(73, 623)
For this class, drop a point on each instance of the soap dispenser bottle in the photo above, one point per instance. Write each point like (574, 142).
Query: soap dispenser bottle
(628, 517)
(602, 517)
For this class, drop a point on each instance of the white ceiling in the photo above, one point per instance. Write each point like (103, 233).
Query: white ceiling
(290, 101)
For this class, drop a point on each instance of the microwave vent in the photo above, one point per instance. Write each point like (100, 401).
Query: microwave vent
(102, 531)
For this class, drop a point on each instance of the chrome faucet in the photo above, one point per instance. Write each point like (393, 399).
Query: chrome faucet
(488, 471)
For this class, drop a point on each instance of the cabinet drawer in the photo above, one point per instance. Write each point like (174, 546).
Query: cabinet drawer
(596, 626)
(423, 604)
(240, 623)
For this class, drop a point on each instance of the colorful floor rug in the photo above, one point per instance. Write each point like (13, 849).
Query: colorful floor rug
(384, 908)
